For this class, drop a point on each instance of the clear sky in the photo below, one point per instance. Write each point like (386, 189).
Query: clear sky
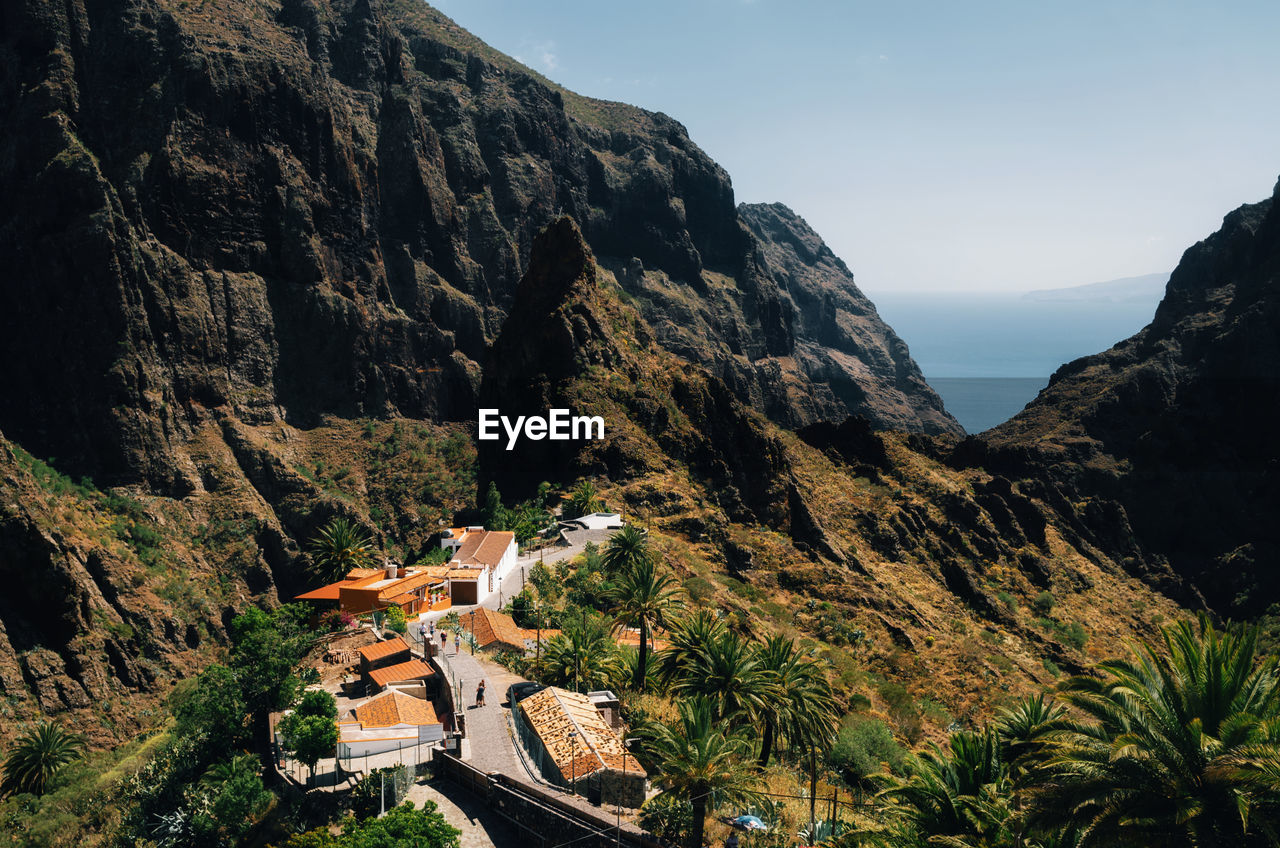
(946, 145)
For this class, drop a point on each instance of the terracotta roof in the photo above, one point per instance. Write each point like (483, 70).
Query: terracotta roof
(359, 573)
(632, 638)
(412, 670)
(393, 708)
(495, 628)
(405, 585)
(324, 593)
(484, 547)
(465, 573)
(378, 650)
(553, 712)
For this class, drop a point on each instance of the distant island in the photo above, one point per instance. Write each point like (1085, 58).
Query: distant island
(1145, 288)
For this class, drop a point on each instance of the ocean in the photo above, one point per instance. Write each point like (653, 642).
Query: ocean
(988, 355)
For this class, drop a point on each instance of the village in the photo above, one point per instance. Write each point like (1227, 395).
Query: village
(433, 700)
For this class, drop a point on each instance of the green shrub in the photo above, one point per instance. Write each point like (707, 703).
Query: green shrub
(396, 620)
(1043, 603)
(666, 817)
(1008, 600)
(863, 748)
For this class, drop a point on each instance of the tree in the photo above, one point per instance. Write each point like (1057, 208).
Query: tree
(338, 547)
(492, 512)
(806, 709)
(642, 598)
(402, 827)
(583, 500)
(212, 710)
(687, 644)
(230, 800)
(583, 656)
(318, 702)
(695, 760)
(728, 673)
(1171, 747)
(309, 737)
(955, 796)
(626, 550)
(265, 652)
(37, 757)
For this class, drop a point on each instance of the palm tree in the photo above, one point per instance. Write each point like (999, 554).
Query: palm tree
(729, 673)
(38, 756)
(806, 709)
(583, 656)
(687, 643)
(584, 500)
(626, 549)
(957, 796)
(338, 547)
(642, 598)
(1175, 747)
(698, 761)
(1023, 729)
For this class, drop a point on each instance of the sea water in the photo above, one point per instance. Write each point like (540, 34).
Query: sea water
(988, 355)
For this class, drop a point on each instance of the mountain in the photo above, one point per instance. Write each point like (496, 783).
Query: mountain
(266, 259)
(1143, 289)
(1168, 432)
(282, 211)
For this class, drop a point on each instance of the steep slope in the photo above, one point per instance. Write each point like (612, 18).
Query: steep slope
(1168, 433)
(292, 209)
(852, 359)
(864, 540)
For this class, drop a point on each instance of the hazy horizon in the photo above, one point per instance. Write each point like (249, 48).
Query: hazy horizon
(985, 147)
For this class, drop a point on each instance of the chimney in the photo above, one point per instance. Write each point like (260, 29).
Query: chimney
(392, 568)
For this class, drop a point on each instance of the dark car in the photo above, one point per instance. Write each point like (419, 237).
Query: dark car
(517, 692)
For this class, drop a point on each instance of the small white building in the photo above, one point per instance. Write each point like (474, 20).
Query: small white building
(595, 521)
(392, 721)
(479, 558)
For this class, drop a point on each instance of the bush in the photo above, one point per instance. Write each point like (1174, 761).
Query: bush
(863, 747)
(396, 620)
(666, 817)
(334, 621)
(1043, 603)
(1008, 600)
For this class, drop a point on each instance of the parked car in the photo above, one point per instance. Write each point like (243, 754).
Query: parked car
(517, 692)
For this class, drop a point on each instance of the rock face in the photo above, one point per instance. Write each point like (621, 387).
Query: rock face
(1170, 430)
(842, 357)
(318, 208)
(570, 342)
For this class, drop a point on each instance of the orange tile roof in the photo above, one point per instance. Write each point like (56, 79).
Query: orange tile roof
(412, 670)
(465, 573)
(378, 650)
(394, 708)
(404, 585)
(495, 628)
(484, 547)
(324, 593)
(553, 712)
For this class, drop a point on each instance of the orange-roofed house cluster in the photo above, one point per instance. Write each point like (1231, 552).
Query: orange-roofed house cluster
(479, 557)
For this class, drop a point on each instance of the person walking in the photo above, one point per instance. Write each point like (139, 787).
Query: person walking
(444, 637)
(480, 694)
(457, 643)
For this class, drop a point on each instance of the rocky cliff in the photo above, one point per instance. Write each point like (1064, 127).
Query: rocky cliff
(299, 208)
(1168, 433)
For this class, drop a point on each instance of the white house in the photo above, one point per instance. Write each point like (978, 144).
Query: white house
(479, 558)
(595, 521)
(390, 722)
